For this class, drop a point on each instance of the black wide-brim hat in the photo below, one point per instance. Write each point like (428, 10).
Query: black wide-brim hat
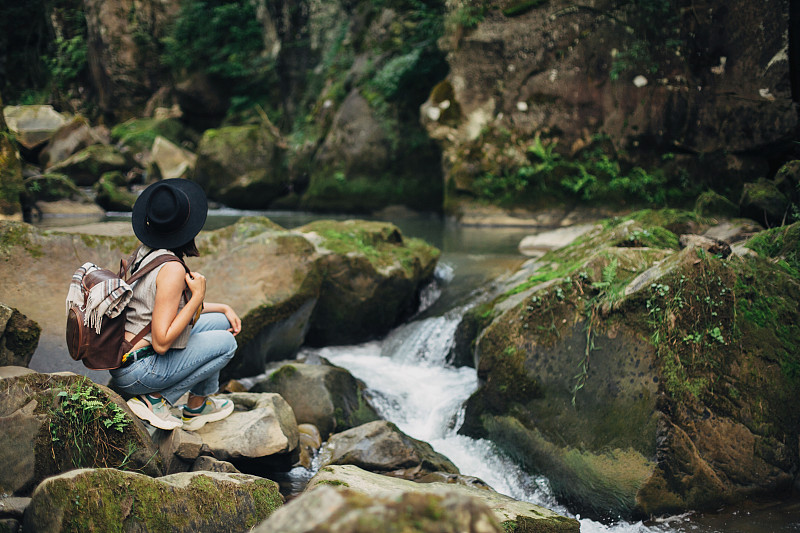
(169, 213)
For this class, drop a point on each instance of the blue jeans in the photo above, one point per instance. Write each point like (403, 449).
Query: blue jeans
(194, 368)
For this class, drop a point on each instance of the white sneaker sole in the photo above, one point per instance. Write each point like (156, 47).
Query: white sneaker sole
(198, 422)
(141, 410)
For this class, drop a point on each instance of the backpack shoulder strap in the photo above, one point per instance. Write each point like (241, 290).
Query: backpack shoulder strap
(155, 263)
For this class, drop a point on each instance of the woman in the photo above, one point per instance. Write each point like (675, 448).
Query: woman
(189, 341)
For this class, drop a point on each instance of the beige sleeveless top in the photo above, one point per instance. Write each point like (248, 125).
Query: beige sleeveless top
(140, 308)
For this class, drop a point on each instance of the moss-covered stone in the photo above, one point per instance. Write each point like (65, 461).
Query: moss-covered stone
(80, 424)
(11, 184)
(372, 278)
(620, 367)
(711, 203)
(111, 193)
(111, 500)
(86, 166)
(764, 202)
(241, 166)
(19, 337)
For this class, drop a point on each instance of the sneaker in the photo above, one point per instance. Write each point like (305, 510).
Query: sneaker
(155, 411)
(213, 409)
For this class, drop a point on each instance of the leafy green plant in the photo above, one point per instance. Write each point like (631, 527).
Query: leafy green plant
(78, 417)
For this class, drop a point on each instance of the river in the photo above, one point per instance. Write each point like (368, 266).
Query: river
(411, 384)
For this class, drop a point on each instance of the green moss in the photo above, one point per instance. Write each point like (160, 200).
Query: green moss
(284, 372)
(333, 482)
(106, 500)
(16, 235)
(783, 244)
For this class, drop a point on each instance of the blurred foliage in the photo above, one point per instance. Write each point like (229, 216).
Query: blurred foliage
(222, 39)
(44, 50)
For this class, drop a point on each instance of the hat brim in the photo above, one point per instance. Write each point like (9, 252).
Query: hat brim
(198, 211)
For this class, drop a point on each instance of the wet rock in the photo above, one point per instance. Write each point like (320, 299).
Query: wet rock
(381, 447)
(329, 509)
(86, 166)
(19, 337)
(262, 425)
(309, 444)
(88, 499)
(33, 125)
(372, 281)
(512, 514)
(326, 396)
(240, 166)
(41, 433)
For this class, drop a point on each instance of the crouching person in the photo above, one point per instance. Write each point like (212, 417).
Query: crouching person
(188, 341)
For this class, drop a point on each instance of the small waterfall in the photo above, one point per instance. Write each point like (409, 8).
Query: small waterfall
(411, 385)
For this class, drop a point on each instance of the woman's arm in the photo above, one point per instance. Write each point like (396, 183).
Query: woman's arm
(230, 314)
(168, 322)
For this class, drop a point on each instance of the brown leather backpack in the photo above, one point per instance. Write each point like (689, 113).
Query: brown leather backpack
(104, 350)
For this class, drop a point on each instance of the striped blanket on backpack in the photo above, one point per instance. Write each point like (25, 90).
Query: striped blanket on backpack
(108, 298)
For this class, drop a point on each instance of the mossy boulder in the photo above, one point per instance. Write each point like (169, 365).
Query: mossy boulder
(86, 167)
(19, 337)
(509, 514)
(381, 447)
(324, 395)
(334, 508)
(72, 137)
(372, 280)
(112, 500)
(764, 202)
(711, 203)
(643, 379)
(241, 166)
(112, 194)
(52, 423)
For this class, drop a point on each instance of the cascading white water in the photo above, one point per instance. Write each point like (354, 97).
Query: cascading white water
(411, 385)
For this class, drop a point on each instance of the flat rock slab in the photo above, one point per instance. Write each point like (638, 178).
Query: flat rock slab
(527, 516)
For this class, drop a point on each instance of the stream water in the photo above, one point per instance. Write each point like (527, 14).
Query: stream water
(411, 383)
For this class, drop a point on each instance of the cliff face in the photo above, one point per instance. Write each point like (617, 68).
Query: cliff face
(704, 93)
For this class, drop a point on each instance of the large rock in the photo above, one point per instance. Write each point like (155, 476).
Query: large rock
(511, 514)
(112, 193)
(262, 425)
(89, 499)
(329, 509)
(381, 447)
(569, 74)
(86, 166)
(19, 337)
(172, 160)
(70, 138)
(240, 166)
(272, 277)
(51, 423)
(123, 38)
(372, 282)
(326, 396)
(642, 379)
(33, 125)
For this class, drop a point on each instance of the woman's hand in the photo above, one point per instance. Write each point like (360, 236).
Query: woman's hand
(233, 318)
(197, 284)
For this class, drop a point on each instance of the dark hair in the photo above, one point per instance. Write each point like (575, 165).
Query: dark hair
(187, 250)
